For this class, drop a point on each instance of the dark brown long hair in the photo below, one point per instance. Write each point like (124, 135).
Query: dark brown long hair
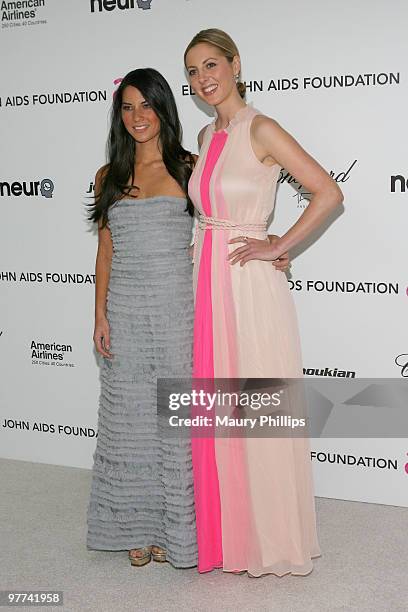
(121, 147)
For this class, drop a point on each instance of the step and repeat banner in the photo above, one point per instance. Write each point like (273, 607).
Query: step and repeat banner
(333, 75)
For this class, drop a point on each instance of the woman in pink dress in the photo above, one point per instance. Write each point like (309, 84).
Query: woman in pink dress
(254, 497)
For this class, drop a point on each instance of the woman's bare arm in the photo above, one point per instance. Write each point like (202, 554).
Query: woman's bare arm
(272, 143)
(102, 275)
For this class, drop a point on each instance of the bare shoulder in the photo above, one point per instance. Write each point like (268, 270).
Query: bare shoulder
(272, 143)
(102, 171)
(266, 134)
(263, 128)
(100, 175)
(201, 133)
(191, 159)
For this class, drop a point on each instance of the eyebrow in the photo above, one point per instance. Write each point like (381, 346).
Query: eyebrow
(204, 62)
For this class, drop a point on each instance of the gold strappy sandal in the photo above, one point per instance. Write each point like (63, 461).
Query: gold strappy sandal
(159, 554)
(143, 558)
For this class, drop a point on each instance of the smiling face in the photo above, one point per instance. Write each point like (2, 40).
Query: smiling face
(138, 117)
(211, 74)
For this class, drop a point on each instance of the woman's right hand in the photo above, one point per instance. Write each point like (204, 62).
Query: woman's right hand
(101, 337)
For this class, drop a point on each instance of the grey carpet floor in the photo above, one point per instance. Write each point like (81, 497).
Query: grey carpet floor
(364, 567)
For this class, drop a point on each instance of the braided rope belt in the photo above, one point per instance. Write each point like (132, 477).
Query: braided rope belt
(223, 224)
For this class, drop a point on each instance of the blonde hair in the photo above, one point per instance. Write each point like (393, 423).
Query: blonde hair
(223, 42)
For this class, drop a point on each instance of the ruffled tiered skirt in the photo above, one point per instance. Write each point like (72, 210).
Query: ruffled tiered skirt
(142, 484)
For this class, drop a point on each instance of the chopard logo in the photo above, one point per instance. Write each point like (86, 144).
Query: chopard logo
(302, 193)
(402, 362)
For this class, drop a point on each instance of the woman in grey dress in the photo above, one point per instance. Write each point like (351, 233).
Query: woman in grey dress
(142, 497)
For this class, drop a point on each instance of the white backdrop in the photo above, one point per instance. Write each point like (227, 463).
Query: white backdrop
(333, 75)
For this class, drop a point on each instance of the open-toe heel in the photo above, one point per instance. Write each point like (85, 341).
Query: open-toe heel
(159, 554)
(143, 558)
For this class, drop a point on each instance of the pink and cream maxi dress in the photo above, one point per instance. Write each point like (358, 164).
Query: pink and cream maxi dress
(254, 496)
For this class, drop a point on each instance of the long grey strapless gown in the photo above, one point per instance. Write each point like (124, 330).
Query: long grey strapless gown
(142, 487)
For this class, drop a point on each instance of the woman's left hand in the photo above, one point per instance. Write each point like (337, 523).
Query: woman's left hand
(265, 250)
(283, 261)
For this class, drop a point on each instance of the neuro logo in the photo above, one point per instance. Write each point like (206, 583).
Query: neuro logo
(45, 187)
(399, 183)
(123, 5)
(402, 362)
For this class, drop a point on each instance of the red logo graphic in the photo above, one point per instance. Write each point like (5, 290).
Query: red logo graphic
(117, 82)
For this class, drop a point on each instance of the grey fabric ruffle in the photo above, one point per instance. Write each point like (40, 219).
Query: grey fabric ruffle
(142, 485)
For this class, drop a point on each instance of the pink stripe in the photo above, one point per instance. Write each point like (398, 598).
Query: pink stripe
(203, 334)
(206, 486)
(230, 453)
